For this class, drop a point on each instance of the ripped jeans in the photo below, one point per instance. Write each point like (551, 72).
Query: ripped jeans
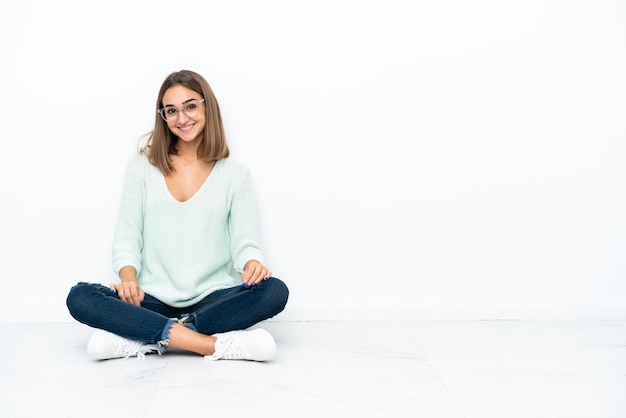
(224, 310)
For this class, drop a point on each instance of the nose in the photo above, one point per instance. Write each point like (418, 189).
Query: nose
(181, 115)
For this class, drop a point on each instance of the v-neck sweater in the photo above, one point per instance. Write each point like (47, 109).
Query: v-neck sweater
(183, 251)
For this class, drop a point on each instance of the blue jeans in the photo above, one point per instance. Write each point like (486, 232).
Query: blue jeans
(224, 310)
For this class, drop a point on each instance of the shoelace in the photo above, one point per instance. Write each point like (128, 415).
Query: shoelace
(234, 351)
(134, 348)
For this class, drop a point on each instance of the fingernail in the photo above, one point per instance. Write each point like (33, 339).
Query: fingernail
(245, 285)
(254, 285)
(265, 278)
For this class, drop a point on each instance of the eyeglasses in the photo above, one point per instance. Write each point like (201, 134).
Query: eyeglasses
(190, 108)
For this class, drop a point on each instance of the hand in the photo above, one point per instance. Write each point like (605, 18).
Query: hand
(128, 292)
(254, 272)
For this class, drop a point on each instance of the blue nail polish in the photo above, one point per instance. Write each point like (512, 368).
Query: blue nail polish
(245, 285)
(254, 285)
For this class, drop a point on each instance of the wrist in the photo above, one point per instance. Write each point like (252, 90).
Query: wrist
(128, 274)
(245, 266)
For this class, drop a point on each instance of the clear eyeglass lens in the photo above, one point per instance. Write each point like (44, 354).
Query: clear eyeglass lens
(190, 109)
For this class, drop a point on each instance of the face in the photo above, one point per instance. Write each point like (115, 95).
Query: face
(188, 122)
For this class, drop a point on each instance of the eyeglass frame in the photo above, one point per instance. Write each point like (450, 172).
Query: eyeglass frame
(182, 109)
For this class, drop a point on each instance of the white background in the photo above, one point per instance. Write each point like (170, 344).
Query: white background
(437, 157)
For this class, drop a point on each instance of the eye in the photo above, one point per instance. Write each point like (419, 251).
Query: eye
(170, 111)
(191, 106)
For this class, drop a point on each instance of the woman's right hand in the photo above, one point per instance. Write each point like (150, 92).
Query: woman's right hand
(129, 292)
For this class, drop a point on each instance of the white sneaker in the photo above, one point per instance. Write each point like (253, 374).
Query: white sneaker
(257, 345)
(104, 345)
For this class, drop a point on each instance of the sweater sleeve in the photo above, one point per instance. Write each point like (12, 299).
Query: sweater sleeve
(128, 237)
(243, 224)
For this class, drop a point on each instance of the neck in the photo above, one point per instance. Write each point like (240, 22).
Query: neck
(188, 151)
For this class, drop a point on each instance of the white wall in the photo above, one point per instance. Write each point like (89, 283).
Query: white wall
(431, 157)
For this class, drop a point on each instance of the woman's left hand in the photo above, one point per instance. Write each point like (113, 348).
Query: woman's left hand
(254, 272)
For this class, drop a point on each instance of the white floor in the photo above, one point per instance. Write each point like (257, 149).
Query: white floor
(471, 369)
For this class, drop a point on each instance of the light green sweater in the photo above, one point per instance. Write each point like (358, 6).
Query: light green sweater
(183, 251)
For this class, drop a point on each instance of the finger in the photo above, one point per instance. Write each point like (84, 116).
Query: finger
(248, 273)
(263, 274)
(139, 297)
(245, 276)
(132, 300)
(132, 295)
(258, 275)
(249, 279)
(121, 294)
(126, 293)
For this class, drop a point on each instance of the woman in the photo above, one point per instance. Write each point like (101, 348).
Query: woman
(186, 220)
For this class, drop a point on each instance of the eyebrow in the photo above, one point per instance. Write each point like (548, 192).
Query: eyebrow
(186, 101)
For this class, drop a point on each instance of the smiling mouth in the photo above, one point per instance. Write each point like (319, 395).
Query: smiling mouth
(186, 128)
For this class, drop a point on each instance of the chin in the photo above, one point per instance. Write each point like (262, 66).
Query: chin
(188, 137)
